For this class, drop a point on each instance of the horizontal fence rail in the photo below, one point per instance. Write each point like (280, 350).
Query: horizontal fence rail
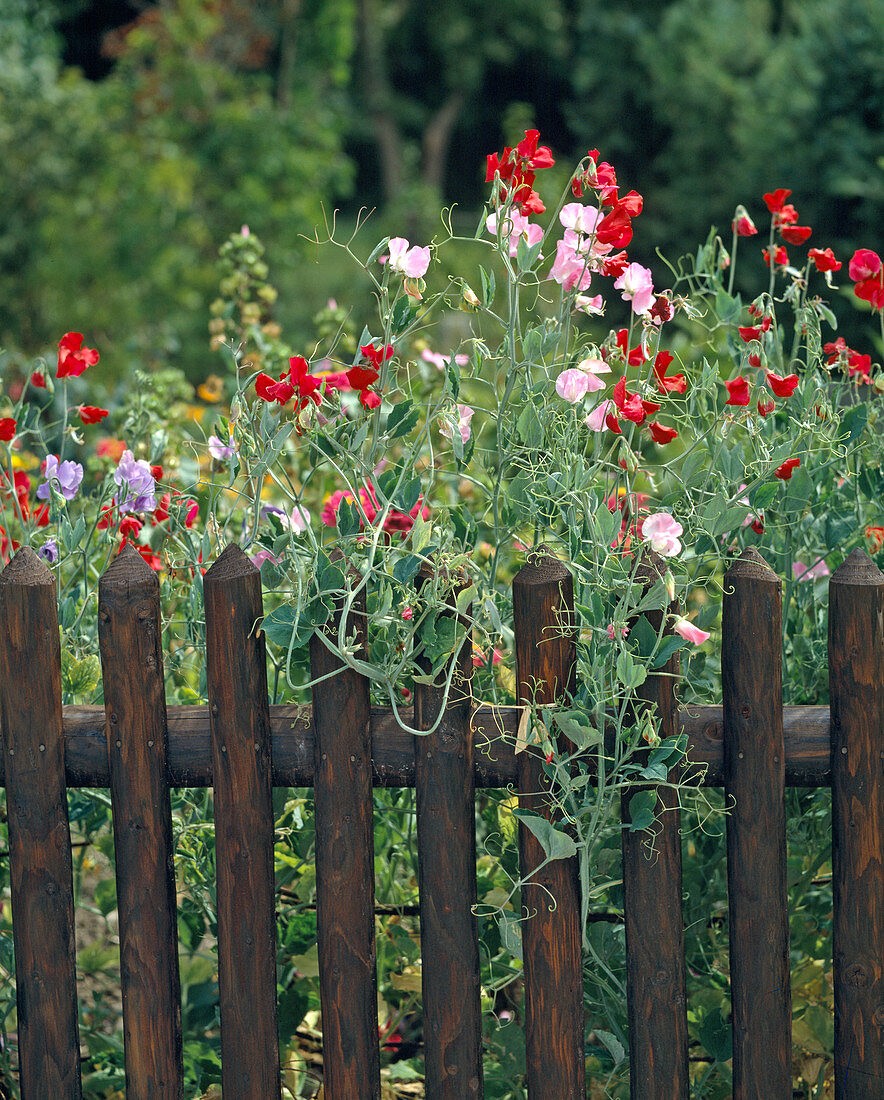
(807, 733)
(139, 748)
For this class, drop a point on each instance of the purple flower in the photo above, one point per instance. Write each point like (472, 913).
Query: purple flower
(134, 475)
(65, 475)
(49, 551)
(218, 450)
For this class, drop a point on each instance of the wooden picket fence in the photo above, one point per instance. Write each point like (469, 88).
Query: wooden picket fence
(139, 748)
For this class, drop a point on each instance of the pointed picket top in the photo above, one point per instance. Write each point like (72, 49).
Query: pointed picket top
(129, 571)
(231, 564)
(750, 565)
(542, 567)
(857, 568)
(26, 569)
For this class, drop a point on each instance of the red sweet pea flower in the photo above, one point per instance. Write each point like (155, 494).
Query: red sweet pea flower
(269, 390)
(661, 433)
(754, 360)
(73, 358)
(305, 383)
(782, 387)
(749, 334)
(530, 156)
(517, 168)
(7, 429)
(38, 379)
(738, 391)
(613, 424)
(615, 228)
(796, 234)
(615, 264)
(859, 364)
(743, 225)
(629, 405)
(765, 407)
(774, 200)
(377, 355)
(661, 310)
(758, 525)
(675, 383)
(875, 535)
(871, 291)
(784, 472)
(824, 258)
(633, 356)
(780, 256)
(90, 414)
(787, 215)
(864, 264)
(130, 526)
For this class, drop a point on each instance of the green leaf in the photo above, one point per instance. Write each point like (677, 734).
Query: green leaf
(642, 805)
(405, 568)
(105, 894)
(629, 673)
(575, 726)
(408, 495)
(420, 533)
(555, 843)
(853, 422)
(349, 520)
(666, 650)
(764, 495)
(611, 1043)
(489, 286)
(643, 637)
(529, 426)
(402, 419)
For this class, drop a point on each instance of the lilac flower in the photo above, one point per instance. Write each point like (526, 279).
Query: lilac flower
(49, 551)
(298, 521)
(65, 475)
(218, 450)
(140, 488)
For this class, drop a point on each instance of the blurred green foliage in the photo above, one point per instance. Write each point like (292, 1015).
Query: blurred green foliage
(202, 115)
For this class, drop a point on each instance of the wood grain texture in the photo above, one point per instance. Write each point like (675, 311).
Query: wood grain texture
(856, 680)
(543, 600)
(751, 672)
(240, 720)
(345, 869)
(805, 733)
(41, 881)
(135, 704)
(446, 833)
(652, 908)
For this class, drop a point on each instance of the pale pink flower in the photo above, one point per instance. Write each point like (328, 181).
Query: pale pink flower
(596, 419)
(464, 416)
(579, 218)
(593, 368)
(616, 631)
(262, 556)
(218, 449)
(637, 285)
(686, 629)
(440, 362)
(410, 262)
(570, 270)
(591, 306)
(517, 227)
(802, 572)
(573, 384)
(661, 530)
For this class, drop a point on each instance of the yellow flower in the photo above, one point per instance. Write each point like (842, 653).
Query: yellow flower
(212, 390)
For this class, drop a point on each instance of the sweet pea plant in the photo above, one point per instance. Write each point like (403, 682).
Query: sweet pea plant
(469, 424)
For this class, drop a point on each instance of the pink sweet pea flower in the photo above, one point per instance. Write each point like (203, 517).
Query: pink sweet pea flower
(686, 629)
(410, 262)
(464, 416)
(570, 269)
(637, 285)
(802, 572)
(864, 264)
(440, 362)
(596, 419)
(517, 227)
(591, 306)
(579, 218)
(661, 530)
(573, 384)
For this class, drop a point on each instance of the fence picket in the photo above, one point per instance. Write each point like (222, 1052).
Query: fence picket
(41, 880)
(656, 997)
(240, 718)
(345, 870)
(856, 671)
(543, 609)
(445, 796)
(135, 704)
(751, 673)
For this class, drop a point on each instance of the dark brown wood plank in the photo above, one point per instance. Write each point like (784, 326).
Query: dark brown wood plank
(751, 673)
(543, 600)
(240, 719)
(345, 868)
(41, 881)
(135, 703)
(856, 679)
(656, 995)
(446, 833)
(805, 732)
